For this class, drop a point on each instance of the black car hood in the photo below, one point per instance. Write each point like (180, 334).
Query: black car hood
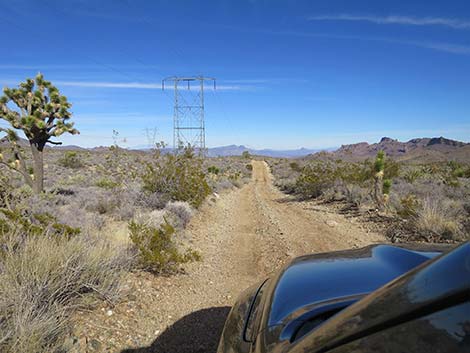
(316, 280)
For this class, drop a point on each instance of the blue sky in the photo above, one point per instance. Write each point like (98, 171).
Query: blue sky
(289, 73)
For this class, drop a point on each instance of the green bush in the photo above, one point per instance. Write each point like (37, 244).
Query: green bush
(179, 177)
(70, 159)
(106, 183)
(16, 222)
(294, 166)
(213, 170)
(158, 251)
(315, 179)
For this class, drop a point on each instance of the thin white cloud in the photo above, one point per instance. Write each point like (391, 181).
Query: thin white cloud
(446, 47)
(138, 85)
(402, 20)
(102, 84)
(439, 46)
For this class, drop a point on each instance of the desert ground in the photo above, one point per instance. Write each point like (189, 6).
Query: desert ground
(146, 252)
(243, 235)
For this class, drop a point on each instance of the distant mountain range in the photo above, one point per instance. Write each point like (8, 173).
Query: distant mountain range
(237, 150)
(234, 150)
(419, 149)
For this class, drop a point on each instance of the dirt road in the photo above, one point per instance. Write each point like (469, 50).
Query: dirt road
(243, 236)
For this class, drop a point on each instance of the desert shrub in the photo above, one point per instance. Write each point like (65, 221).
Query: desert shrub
(6, 191)
(412, 175)
(354, 173)
(106, 183)
(222, 184)
(157, 249)
(76, 179)
(179, 177)
(391, 169)
(213, 170)
(101, 204)
(26, 225)
(295, 166)
(77, 217)
(315, 179)
(179, 212)
(249, 167)
(152, 200)
(246, 155)
(287, 185)
(153, 219)
(356, 195)
(70, 159)
(45, 278)
(120, 203)
(409, 205)
(440, 217)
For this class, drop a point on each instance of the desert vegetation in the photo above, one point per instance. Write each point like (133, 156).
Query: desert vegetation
(57, 255)
(57, 242)
(418, 201)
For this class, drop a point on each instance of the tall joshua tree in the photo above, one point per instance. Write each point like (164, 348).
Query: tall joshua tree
(38, 109)
(381, 186)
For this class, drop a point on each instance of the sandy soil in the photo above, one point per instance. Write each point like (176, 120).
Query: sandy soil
(243, 235)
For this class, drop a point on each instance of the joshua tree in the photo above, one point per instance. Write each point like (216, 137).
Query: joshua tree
(38, 109)
(381, 186)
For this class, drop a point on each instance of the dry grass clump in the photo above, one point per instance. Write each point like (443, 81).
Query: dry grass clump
(440, 217)
(153, 218)
(176, 213)
(44, 278)
(180, 213)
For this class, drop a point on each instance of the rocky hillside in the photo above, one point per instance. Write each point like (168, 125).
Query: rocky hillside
(434, 149)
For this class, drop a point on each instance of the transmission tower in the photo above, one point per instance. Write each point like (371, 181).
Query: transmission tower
(188, 113)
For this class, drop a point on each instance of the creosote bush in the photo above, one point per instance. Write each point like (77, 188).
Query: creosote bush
(70, 159)
(177, 177)
(158, 251)
(213, 170)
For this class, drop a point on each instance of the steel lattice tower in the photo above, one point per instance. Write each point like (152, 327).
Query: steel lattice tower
(188, 114)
